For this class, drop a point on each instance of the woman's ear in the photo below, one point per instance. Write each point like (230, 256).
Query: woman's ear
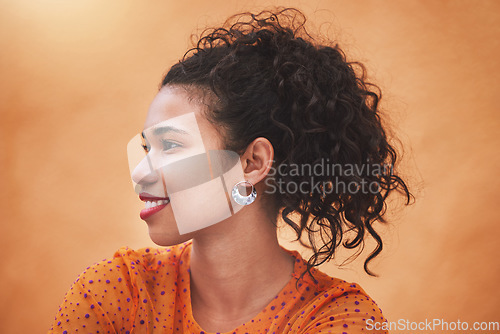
(257, 160)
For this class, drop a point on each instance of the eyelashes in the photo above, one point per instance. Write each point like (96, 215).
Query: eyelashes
(144, 144)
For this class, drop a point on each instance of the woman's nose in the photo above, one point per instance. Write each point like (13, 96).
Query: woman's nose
(144, 173)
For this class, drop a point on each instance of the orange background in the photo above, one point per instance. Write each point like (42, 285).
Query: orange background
(77, 78)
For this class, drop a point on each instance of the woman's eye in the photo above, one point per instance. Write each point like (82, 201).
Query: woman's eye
(168, 145)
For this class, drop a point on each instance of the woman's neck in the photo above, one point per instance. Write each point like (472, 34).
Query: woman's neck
(237, 268)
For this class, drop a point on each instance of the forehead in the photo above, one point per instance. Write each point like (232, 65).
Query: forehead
(171, 102)
(179, 108)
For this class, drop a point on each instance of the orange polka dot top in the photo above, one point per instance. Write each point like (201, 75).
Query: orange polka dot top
(148, 291)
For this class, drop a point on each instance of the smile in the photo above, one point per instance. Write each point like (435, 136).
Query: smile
(153, 204)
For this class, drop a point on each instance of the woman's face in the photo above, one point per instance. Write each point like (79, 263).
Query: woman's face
(175, 175)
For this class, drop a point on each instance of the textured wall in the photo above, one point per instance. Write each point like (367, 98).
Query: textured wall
(77, 78)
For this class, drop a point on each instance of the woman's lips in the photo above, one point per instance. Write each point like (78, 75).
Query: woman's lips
(153, 204)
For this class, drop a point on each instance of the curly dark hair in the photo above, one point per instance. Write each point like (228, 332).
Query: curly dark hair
(271, 79)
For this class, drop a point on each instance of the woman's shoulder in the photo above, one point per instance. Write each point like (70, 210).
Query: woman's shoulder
(118, 292)
(130, 264)
(151, 258)
(330, 303)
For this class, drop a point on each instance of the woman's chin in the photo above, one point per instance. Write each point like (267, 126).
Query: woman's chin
(167, 238)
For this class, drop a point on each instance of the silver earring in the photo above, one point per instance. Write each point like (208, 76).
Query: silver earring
(244, 200)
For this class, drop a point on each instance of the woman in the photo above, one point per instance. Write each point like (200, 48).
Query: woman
(257, 122)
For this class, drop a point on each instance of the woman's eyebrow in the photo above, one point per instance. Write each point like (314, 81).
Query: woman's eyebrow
(166, 129)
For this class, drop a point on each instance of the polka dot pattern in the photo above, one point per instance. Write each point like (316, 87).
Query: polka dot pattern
(147, 291)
